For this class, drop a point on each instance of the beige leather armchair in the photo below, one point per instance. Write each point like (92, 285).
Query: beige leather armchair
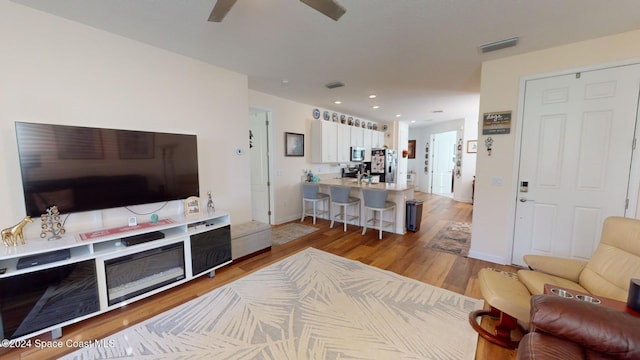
(607, 274)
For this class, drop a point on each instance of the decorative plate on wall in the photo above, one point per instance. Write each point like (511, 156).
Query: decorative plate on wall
(343, 119)
(326, 115)
(350, 120)
(316, 114)
(334, 117)
(357, 123)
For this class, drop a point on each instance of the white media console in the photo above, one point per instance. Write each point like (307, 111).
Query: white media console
(98, 272)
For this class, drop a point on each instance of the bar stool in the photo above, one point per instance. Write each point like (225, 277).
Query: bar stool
(376, 201)
(310, 193)
(340, 197)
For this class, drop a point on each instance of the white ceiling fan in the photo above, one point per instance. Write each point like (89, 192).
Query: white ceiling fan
(328, 7)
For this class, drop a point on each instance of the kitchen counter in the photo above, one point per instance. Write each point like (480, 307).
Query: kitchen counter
(398, 193)
(365, 185)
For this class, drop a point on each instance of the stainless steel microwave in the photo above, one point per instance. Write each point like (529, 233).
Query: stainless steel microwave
(357, 153)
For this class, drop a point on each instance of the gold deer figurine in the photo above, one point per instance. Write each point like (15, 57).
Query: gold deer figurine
(11, 234)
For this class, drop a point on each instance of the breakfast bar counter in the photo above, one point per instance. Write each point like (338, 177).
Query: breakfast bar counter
(398, 193)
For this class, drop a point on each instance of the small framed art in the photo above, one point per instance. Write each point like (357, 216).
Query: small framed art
(412, 149)
(293, 144)
(192, 206)
(472, 146)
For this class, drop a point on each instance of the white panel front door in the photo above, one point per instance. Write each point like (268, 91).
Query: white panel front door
(575, 160)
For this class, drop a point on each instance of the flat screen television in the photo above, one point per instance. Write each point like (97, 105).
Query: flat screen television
(83, 168)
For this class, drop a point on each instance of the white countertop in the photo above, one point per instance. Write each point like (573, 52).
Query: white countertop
(365, 185)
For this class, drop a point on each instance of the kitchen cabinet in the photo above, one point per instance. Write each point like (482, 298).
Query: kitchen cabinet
(324, 142)
(357, 136)
(331, 142)
(367, 139)
(344, 143)
(377, 140)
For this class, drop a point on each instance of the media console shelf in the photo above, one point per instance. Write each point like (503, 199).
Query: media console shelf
(100, 273)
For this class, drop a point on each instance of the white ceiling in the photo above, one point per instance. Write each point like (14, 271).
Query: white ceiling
(417, 56)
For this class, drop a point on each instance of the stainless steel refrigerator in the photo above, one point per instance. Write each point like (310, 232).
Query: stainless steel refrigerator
(384, 163)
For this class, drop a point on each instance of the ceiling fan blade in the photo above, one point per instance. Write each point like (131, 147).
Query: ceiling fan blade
(328, 7)
(221, 9)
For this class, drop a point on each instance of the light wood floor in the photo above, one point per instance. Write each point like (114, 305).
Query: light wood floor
(403, 254)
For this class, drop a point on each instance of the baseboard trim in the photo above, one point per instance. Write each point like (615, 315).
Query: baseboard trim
(488, 257)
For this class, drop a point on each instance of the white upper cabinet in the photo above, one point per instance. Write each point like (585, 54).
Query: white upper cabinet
(344, 143)
(324, 142)
(357, 136)
(331, 142)
(377, 140)
(368, 134)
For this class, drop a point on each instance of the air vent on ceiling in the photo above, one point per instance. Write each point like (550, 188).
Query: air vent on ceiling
(499, 45)
(335, 84)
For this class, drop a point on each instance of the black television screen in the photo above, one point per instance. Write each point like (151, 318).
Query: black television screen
(82, 168)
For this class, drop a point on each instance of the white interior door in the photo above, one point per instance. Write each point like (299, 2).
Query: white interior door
(259, 152)
(578, 132)
(443, 145)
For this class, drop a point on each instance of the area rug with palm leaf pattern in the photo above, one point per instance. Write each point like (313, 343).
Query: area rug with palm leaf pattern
(311, 305)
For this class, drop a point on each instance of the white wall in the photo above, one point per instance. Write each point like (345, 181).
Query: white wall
(468, 129)
(500, 91)
(56, 71)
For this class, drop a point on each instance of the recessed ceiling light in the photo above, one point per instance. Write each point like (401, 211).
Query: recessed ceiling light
(398, 115)
(373, 96)
(284, 82)
(375, 106)
(337, 102)
(413, 121)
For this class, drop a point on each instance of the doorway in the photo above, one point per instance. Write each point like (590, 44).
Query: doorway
(261, 193)
(443, 160)
(576, 164)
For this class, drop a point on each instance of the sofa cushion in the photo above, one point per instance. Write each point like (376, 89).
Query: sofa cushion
(594, 327)
(505, 294)
(616, 260)
(541, 346)
(609, 271)
(252, 227)
(534, 281)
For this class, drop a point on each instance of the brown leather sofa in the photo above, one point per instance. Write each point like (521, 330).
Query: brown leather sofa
(564, 329)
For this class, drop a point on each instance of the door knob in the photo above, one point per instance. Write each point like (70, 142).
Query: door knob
(525, 199)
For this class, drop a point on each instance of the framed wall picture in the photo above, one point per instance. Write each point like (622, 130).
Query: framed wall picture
(192, 206)
(293, 144)
(472, 146)
(412, 149)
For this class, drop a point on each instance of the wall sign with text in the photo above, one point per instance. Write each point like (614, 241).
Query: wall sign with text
(496, 123)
